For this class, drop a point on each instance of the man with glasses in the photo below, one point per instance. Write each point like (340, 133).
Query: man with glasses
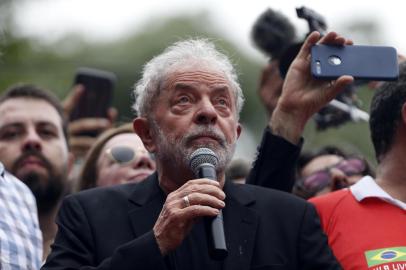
(366, 223)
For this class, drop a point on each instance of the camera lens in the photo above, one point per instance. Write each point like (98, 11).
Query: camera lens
(318, 67)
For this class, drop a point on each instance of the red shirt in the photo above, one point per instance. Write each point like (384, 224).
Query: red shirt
(365, 234)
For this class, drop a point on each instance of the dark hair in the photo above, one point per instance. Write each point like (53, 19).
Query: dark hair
(386, 112)
(307, 157)
(35, 92)
(89, 172)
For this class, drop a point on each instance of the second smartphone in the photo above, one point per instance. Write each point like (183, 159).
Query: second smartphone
(98, 93)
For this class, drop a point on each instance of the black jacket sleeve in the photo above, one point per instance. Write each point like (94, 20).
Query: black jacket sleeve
(74, 248)
(314, 252)
(275, 164)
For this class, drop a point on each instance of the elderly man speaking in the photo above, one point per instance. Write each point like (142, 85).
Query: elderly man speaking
(188, 104)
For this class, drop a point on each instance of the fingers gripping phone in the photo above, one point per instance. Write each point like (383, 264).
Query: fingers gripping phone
(97, 96)
(377, 63)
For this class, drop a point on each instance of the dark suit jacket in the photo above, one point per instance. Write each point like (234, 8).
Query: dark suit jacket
(111, 228)
(275, 165)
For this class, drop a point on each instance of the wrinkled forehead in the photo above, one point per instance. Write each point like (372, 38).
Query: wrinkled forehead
(320, 163)
(28, 110)
(197, 72)
(196, 77)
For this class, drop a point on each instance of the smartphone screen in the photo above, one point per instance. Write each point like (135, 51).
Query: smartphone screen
(97, 96)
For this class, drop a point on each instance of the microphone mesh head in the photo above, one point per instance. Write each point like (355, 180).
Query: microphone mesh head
(201, 156)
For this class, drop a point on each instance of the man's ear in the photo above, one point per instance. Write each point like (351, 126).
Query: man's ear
(239, 129)
(142, 128)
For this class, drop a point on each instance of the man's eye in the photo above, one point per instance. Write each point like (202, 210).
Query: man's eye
(47, 133)
(183, 99)
(222, 101)
(9, 134)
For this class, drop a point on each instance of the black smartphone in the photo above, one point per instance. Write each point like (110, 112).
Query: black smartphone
(376, 63)
(98, 93)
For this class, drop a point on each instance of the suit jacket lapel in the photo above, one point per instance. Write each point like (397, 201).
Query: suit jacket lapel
(240, 224)
(145, 204)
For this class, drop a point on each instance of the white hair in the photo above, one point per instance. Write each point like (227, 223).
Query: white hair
(192, 50)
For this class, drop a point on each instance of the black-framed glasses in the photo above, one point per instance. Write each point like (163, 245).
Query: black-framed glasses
(321, 179)
(124, 154)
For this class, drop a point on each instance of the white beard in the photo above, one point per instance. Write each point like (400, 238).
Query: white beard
(178, 151)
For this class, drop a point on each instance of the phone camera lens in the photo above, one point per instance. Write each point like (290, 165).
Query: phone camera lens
(318, 67)
(334, 60)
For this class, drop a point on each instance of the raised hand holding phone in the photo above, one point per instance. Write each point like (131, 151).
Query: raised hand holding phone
(97, 95)
(89, 109)
(303, 95)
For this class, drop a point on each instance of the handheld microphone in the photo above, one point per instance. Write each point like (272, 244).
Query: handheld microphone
(203, 163)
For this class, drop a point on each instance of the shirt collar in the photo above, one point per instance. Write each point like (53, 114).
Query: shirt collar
(368, 188)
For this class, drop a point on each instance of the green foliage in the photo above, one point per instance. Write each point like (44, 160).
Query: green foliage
(53, 66)
(352, 137)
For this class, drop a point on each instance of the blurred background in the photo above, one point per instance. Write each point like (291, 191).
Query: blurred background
(44, 41)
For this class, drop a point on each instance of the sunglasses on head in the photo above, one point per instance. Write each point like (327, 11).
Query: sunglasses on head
(125, 154)
(321, 179)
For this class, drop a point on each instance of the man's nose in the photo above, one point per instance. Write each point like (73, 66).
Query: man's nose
(206, 114)
(144, 161)
(32, 141)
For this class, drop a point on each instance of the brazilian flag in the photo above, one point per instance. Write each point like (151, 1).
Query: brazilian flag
(385, 255)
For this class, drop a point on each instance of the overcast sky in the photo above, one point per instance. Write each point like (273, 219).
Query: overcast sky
(107, 19)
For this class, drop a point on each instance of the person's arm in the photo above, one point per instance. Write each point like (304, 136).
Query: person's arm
(74, 248)
(314, 251)
(301, 97)
(275, 164)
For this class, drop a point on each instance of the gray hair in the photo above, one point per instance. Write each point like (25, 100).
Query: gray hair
(192, 50)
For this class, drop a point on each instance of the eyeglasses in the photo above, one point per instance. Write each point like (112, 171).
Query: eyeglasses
(321, 179)
(124, 154)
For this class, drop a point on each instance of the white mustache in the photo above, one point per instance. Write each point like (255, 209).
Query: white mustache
(206, 131)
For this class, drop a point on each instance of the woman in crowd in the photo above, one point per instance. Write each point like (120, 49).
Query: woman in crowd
(118, 156)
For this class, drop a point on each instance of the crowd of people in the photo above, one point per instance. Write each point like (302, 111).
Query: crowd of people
(131, 198)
